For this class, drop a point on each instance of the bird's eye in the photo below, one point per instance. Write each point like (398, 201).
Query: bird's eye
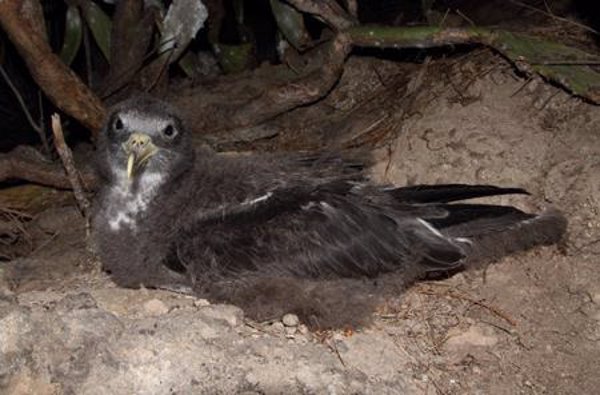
(169, 131)
(118, 124)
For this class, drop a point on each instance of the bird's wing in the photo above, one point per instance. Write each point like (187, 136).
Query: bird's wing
(315, 231)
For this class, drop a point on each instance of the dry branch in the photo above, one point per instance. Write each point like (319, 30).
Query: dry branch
(306, 90)
(24, 164)
(57, 81)
(69, 165)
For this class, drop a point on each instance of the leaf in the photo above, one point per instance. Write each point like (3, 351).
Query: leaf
(183, 20)
(73, 34)
(568, 66)
(291, 24)
(233, 58)
(100, 25)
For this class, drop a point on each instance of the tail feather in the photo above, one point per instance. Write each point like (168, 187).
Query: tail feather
(462, 213)
(450, 192)
(490, 239)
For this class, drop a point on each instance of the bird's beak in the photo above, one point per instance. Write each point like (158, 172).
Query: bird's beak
(139, 148)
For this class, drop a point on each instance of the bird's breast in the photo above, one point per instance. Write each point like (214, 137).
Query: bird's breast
(128, 202)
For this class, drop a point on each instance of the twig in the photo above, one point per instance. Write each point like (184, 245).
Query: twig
(489, 307)
(443, 20)
(523, 85)
(69, 165)
(333, 347)
(163, 63)
(44, 243)
(456, 295)
(466, 18)
(550, 15)
(39, 128)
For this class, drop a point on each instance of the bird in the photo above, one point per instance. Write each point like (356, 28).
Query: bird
(307, 233)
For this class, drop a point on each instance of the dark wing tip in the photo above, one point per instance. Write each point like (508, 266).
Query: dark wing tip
(446, 193)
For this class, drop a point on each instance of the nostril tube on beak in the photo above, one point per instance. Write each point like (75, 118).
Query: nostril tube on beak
(139, 141)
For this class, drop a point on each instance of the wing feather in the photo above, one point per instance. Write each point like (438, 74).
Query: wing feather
(325, 231)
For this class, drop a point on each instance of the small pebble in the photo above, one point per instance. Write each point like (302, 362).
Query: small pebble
(290, 320)
(277, 326)
(290, 331)
(155, 307)
(201, 303)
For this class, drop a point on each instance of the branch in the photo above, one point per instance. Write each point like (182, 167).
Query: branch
(69, 165)
(233, 105)
(24, 163)
(57, 81)
(307, 89)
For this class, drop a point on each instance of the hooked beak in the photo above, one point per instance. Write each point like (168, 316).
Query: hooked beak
(139, 149)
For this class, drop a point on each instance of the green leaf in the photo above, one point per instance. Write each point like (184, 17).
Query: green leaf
(73, 35)
(233, 58)
(568, 66)
(290, 23)
(100, 25)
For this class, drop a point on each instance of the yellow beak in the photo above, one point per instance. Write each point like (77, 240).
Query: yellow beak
(139, 148)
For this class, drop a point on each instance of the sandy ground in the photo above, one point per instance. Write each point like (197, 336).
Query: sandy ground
(528, 324)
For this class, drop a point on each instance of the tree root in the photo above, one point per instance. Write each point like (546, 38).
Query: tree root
(25, 163)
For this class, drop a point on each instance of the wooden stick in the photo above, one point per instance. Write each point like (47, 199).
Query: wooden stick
(69, 164)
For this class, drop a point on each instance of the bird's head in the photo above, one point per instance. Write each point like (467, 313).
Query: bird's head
(144, 136)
